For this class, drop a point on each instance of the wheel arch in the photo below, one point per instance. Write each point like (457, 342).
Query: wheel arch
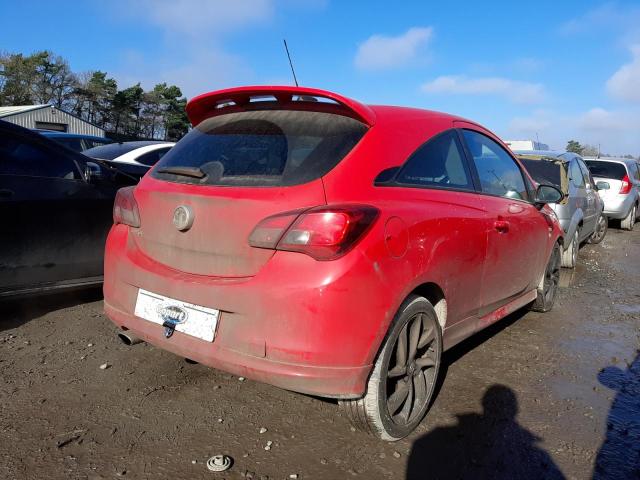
(435, 294)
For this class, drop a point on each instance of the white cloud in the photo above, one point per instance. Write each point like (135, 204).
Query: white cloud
(381, 52)
(614, 130)
(203, 17)
(625, 83)
(607, 18)
(513, 90)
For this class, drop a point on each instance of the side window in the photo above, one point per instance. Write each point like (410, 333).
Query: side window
(635, 172)
(498, 172)
(575, 174)
(585, 173)
(18, 156)
(439, 162)
(151, 158)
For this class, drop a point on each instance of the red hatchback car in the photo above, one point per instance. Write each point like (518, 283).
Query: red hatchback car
(302, 239)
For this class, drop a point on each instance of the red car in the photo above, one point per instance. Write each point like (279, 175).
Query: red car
(303, 239)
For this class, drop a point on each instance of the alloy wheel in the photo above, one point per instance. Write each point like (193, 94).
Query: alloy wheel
(413, 366)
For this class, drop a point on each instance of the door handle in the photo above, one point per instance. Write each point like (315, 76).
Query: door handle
(501, 226)
(6, 193)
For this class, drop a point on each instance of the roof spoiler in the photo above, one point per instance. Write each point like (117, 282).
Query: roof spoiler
(296, 98)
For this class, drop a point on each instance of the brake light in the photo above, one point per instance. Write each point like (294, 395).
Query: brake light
(626, 185)
(324, 233)
(125, 208)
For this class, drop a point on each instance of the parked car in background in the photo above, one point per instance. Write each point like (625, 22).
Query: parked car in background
(580, 211)
(56, 209)
(618, 181)
(75, 141)
(303, 239)
(134, 158)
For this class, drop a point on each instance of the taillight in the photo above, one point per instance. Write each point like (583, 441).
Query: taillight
(626, 185)
(125, 208)
(324, 233)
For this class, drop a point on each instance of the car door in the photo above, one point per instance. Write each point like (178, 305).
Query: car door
(54, 222)
(517, 231)
(591, 211)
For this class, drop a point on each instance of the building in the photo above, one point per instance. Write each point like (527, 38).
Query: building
(526, 145)
(48, 117)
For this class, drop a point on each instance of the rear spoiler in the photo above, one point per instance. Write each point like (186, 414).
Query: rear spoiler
(295, 98)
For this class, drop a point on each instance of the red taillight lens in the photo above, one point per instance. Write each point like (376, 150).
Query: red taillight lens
(125, 208)
(324, 233)
(626, 185)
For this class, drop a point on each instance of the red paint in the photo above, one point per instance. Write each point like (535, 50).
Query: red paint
(312, 325)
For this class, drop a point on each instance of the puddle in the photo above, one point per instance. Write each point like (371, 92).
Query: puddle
(628, 308)
(572, 276)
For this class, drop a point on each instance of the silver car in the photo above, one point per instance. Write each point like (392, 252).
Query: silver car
(618, 181)
(581, 211)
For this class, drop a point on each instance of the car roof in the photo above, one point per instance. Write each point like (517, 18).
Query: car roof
(115, 150)
(565, 156)
(53, 133)
(626, 161)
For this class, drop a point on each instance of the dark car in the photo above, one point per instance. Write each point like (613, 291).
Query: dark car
(56, 208)
(75, 141)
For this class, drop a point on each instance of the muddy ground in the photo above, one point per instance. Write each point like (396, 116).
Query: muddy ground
(537, 394)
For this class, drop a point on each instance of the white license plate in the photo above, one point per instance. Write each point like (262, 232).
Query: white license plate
(186, 317)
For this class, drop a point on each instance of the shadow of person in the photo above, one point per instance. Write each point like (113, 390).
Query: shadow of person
(490, 445)
(619, 456)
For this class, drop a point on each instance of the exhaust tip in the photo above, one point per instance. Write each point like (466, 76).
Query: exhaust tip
(129, 338)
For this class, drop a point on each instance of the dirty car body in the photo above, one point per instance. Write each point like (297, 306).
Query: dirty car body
(56, 205)
(300, 221)
(581, 206)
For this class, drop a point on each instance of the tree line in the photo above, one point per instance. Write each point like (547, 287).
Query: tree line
(127, 114)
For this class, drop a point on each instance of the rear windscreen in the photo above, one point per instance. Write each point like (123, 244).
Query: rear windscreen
(544, 171)
(262, 148)
(613, 170)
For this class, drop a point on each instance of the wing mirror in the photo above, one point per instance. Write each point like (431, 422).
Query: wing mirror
(93, 172)
(548, 194)
(603, 185)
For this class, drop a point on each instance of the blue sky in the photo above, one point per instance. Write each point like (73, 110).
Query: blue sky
(561, 70)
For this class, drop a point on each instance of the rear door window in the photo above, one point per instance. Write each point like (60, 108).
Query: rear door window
(18, 156)
(438, 163)
(498, 172)
(575, 174)
(262, 148)
(600, 168)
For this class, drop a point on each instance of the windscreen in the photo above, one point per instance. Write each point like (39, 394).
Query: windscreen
(262, 148)
(612, 170)
(111, 151)
(543, 171)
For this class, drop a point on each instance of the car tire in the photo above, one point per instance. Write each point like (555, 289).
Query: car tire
(602, 225)
(569, 257)
(403, 379)
(629, 221)
(548, 289)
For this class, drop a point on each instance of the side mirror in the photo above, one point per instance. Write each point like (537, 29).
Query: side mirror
(93, 172)
(386, 175)
(548, 194)
(603, 185)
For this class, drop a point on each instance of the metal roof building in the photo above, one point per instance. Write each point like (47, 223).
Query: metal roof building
(48, 117)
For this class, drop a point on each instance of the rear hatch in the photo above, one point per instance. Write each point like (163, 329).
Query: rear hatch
(611, 172)
(230, 172)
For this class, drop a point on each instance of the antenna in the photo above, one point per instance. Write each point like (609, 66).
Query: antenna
(290, 62)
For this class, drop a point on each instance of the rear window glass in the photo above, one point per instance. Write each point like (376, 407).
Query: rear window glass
(262, 148)
(602, 169)
(543, 171)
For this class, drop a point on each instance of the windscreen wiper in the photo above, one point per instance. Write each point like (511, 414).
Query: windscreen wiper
(194, 172)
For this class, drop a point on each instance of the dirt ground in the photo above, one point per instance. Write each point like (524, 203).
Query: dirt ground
(535, 396)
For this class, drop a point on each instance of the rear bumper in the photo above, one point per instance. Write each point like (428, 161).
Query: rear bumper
(307, 326)
(323, 381)
(618, 206)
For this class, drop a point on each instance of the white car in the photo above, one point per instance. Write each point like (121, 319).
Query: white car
(134, 158)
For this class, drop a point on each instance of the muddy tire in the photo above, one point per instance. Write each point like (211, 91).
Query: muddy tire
(548, 289)
(629, 221)
(602, 225)
(569, 257)
(404, 376)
